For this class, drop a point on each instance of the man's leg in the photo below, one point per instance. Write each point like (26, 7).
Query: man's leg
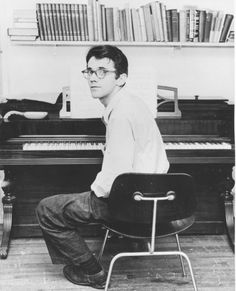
(59, 218)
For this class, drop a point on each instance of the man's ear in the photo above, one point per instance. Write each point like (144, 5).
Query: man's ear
(121, 80)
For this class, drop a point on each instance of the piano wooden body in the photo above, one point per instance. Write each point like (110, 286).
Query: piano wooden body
(52, 156)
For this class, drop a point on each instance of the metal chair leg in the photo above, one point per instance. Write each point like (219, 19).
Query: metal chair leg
(103, 246)
(141, 254)
(180, 257)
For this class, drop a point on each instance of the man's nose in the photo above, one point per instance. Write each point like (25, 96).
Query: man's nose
(93, 76)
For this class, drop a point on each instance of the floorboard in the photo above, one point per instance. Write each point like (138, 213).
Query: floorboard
(28, 267)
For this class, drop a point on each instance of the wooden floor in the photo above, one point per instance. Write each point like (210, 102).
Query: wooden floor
(28, 267)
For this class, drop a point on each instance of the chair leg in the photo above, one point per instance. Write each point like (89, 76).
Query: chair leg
(180, 257)
(190, 268)
(103, 245)
(141, 254)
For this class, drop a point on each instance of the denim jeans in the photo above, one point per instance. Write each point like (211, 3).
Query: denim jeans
(60, 217)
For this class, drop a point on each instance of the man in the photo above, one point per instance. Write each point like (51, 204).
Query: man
(133, 144)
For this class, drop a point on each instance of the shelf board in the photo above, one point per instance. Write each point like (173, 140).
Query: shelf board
(124, 43)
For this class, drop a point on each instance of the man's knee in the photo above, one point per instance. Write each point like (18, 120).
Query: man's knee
(42, 209)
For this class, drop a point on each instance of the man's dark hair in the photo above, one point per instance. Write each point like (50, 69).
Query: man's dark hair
(112, 53)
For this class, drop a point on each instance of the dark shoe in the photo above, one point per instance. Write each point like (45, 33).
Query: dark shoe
(75, 275)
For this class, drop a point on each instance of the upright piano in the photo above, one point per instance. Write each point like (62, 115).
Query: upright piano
(52, 156)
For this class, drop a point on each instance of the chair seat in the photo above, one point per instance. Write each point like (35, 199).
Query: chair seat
(143, 231)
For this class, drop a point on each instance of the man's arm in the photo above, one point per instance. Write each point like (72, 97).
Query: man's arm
(118, 155)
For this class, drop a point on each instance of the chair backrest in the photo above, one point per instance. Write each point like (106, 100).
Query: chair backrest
(124, 208)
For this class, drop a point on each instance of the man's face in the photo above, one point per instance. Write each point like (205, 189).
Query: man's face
(102, 88)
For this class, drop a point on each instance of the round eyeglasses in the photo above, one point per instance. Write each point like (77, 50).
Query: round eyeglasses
(100, 73)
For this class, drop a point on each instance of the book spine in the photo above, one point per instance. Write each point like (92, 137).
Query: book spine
(59, 22)
(117, 36)
(143, 28)
(196, 25)
(85, 20)
(227, 23)
(51, 24)
(123, 12)
(202, 22)
(68, 14)
(63, 21)
(47, 21)
(160, 20)
(75, 32)
(90, 20)
(103, 22)
(208, 22)
(77, 21)
(40, 21)
(148, 23)
(55, 22)
(175, 24)
(164, 25)
(168, 25)
(110, 23)
(182, 25)
(81, 20)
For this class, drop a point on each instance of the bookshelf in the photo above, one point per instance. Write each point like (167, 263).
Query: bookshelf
(195, 68)
(125, 43)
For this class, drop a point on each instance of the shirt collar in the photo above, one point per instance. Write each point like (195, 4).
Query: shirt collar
(114, 101)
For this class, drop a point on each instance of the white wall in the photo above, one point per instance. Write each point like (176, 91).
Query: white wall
(41, 72)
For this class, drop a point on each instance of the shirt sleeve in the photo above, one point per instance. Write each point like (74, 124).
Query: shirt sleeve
(118, 155)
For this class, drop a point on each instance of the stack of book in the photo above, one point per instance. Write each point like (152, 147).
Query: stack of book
(152, 22)
(25, 26)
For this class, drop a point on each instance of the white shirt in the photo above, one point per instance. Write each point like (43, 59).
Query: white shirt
(133, 142)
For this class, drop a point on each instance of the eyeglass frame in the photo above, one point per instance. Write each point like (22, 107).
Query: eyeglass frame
(90, 72)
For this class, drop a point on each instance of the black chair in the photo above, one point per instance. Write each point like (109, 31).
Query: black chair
(149, 206)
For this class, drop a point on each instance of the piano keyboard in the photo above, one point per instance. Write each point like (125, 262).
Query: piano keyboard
(66, 146)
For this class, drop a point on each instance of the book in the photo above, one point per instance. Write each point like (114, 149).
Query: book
(160, 20)
(81, 21)
(226, 26)
(69, 21)
(202, 22)
(90, 20)
(168, 25)
(64, 23)
(209, 16)
(213, 25)
(218, 26)
(41, 24)
(99, 15)
(128, 22)
(125, 25)
(142, 23)
(103, 20)
(154, 6)
(23, 37)
(85, 20)
(135, 25)
(109, 23)
(22, 31)
(182, 25)
(164, 24)
(175, 25)
(116, 23)
(55, 21)
(95, 20)
(25, 24)
(230, 36)
(196, 25)
(148, 22)
(59, 21)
